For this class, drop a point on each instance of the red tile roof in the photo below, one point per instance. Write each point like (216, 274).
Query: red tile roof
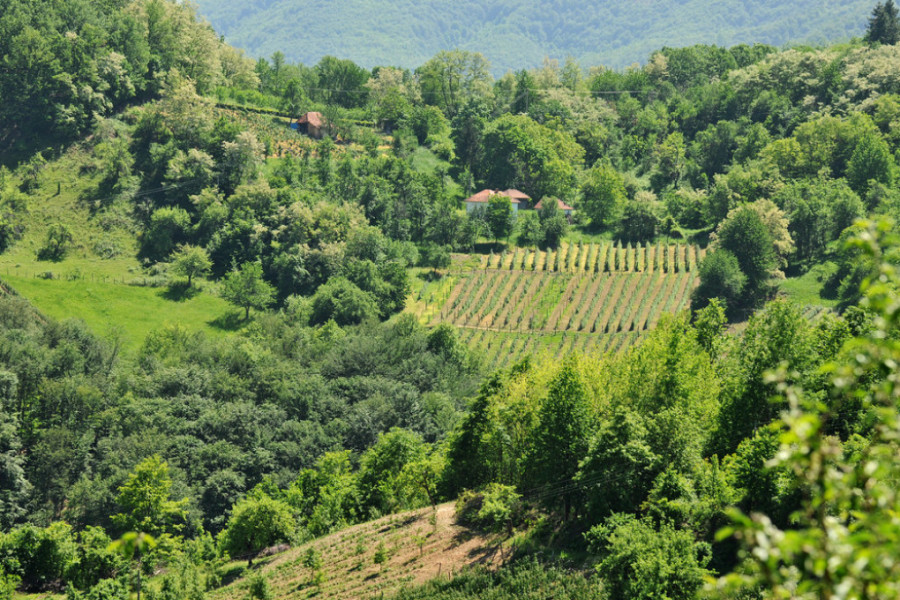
(515, 196)
(562, 205)
(313, 118)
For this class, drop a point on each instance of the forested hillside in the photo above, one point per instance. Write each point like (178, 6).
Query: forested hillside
(653, 357)
(518, 34)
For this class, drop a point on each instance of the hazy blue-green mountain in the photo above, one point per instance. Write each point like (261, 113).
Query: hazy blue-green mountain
(520, 33)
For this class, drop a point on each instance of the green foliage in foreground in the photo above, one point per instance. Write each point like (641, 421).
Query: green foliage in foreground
(847, 516)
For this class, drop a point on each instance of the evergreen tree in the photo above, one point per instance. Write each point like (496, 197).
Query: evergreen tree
(14, 487)
(561, 437)
(884, 25)
(468, 466)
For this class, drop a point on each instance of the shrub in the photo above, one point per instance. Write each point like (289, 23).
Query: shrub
(343, 302)
(182, 581)
(8, 584)
(56, 243)
(380, 557)
(106, 589)
(94, 560)
(39, 556)
(642, 563)
(496, 508)
(259, 588)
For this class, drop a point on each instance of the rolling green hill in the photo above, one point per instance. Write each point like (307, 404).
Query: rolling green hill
(519, 33)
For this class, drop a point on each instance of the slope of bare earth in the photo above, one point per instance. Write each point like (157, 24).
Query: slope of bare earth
(417, 546)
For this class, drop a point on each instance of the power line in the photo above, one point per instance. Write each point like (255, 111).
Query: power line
(550, 89)
(150, 192)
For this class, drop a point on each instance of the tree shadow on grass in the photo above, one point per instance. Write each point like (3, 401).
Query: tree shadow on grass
(488, 247)
(232, 574)
(179, 291)
(230, 321)
(430, 275)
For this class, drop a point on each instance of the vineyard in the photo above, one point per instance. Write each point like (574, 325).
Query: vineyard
(580, 297)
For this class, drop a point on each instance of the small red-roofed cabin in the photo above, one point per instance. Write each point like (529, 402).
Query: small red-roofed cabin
(312, 124)
(563, 207)
(517, 200)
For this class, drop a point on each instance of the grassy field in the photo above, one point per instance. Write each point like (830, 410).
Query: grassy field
(126, 310)
(90, 283)
(807, 289)
(104, 242)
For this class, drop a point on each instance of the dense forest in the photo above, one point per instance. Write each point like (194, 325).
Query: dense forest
(742, 449)
(518, 34)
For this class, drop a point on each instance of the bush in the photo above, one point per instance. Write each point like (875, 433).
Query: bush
(56, 243)
(182, 581)
(640, 223)
(496, 508)
(639, 562)
(7, 233)
(720, 277)
(343, 302)
(258, 588)
(40, 557)
(380, 557)
(94, 561)
(8, 584)
(107, 589)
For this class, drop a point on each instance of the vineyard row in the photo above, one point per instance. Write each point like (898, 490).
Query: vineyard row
(598, 258)
(600, 303)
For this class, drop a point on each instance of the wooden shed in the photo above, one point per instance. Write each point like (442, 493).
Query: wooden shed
(312, 124)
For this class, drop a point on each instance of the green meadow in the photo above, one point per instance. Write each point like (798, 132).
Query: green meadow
(127, 311)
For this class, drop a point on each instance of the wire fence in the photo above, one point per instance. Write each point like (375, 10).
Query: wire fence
(78, 275)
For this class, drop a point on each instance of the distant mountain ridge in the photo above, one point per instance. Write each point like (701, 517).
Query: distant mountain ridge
(514, 34)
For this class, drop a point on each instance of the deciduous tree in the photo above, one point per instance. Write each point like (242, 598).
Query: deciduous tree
(603, 196)
(146, 500)
(245, 287)
(499, 216)
(191, 261)
(257, 522)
